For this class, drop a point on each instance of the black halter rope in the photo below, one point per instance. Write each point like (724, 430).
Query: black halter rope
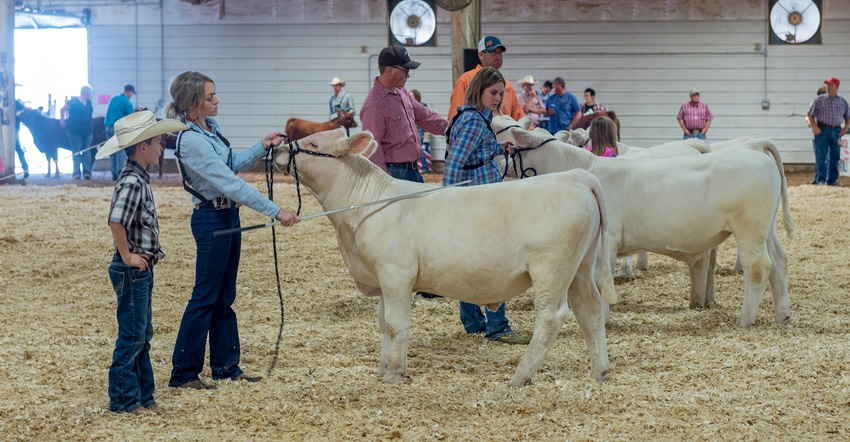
(516, 157)
(294, 149)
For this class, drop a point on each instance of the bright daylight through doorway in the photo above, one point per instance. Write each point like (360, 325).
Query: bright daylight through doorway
(50, 64)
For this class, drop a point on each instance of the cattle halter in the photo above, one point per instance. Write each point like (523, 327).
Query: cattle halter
(522, 172)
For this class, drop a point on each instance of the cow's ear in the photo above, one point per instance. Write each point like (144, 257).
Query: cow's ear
(360, 143)
(525, 122)
(525, 138)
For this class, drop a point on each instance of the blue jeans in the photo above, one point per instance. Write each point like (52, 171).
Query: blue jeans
(118, 159)
(493, 324)
(701, 136)
(827, 154)
(78, 143)
(131, 382)
(209, 311)
(405, 172)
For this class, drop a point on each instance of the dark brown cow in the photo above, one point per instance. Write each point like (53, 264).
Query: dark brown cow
(584, 122)
(297, 128)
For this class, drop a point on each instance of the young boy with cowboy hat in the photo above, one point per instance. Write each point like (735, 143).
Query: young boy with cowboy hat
(133, 222)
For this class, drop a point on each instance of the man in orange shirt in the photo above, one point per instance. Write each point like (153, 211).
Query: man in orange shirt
(491, 53)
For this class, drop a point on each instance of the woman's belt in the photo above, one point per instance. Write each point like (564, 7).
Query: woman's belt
(218, 203)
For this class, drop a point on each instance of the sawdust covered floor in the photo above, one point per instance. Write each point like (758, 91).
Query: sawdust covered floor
(676, 373)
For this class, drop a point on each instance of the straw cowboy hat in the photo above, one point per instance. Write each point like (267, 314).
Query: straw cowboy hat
(135, 128)
(528, 79)
(337, 81)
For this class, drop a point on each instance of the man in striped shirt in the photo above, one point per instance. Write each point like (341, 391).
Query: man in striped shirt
(825, 116)
(694, 117)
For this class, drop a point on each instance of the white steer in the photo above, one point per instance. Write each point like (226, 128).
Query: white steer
(486, 244)
(684, 206)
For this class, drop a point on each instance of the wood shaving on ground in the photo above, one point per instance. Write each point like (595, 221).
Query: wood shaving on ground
(676, 373)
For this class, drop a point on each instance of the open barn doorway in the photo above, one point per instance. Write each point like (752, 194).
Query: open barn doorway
(51, 65)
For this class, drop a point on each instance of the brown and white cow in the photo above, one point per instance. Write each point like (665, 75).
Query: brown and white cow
(297, 128)
(685, 206)
(486, 244)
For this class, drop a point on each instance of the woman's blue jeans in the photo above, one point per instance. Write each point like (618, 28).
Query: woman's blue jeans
(494, 325)
(209, 312)
(131, 382)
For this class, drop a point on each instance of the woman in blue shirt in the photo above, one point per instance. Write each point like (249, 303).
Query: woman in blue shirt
(208, 167)
(472, 147)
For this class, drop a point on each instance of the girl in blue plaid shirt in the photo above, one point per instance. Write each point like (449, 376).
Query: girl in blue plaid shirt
(472, 148)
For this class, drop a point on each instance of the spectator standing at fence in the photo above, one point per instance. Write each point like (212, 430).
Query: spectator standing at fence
(590, 105)
(694, 117)
(491, 53)
(825, 116)
(119, 107)
(531, 103)
(76, 118)
(562, 107)
(392, 115)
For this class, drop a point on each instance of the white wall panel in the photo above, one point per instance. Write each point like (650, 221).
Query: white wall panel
(273, 60)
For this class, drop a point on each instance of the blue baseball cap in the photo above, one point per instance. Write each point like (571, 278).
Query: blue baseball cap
(490, 44)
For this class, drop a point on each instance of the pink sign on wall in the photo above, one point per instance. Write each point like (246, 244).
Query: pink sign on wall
(103, 99)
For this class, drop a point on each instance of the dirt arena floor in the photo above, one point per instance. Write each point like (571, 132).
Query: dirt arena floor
(676, 374)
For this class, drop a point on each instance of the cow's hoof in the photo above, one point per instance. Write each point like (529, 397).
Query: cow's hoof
(520, 382)
(696, 306)
(601, 377)
(784, 321)
(395, 380)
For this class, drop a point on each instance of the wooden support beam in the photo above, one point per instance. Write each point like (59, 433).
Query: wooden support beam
(465, 31)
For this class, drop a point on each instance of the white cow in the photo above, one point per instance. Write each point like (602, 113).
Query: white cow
(486, 244)
(580, 137)
(682, 207)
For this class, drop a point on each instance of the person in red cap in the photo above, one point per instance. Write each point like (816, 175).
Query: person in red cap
(825, 116)
(491, 54)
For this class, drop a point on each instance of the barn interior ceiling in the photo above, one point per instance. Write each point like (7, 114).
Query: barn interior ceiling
(50, 19)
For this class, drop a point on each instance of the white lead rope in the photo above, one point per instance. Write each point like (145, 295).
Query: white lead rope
(341, 209)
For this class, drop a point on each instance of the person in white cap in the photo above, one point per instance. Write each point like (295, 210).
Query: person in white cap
(135, 232)
(491, 54)
(694, 117)
(531, 103)
(340, 101)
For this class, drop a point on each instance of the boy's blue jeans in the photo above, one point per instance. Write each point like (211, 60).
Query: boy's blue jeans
(131, 382)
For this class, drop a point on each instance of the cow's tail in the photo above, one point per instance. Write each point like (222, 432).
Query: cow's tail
(787, 218)
(605, 284)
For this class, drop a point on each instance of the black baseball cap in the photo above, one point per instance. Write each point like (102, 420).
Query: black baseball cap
(130, 88)
(396, 56)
